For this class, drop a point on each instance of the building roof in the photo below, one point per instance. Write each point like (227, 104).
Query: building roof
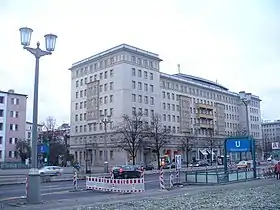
(200, 80)
(12, 92)
(113, 50)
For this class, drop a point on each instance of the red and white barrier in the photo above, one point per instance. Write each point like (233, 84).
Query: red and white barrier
(115, 185)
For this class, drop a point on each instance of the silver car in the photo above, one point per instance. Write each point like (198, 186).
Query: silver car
(51, 171)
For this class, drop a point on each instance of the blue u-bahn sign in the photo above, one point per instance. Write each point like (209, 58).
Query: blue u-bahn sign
(238, 145)
(43, 149)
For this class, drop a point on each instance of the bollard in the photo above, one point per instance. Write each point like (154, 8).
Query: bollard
(161, 179)
(26, 186)
(142, 172)
(75, 181)
(171, 181)
(178, 175)
(112, 175)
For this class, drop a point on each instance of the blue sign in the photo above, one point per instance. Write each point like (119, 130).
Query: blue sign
(43, 148)
(238, 145)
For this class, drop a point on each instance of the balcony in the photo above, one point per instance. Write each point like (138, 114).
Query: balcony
(204, 106)
(205, 116)
(204, 126)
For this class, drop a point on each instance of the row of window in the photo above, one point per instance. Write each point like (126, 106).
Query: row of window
(145, 112)
(92, 127)
(140, 86)
(202, 93)
(105, 112)
(14, 101)
(110, 61)
(142, 99)
(83, 93)
(13, 127)
(84, 81)
(145, 74)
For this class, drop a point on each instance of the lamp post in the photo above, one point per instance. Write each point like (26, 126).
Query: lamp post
(34, 180)
(246, 98)
(106, 120)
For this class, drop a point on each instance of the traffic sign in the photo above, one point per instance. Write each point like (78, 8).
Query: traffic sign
(43, 148)
(275, 145)
(238, 145)
(178, 162)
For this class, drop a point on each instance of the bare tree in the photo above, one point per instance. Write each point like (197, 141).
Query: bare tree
(132, 131)
(158, 136)
(23, 150)
(187, 145)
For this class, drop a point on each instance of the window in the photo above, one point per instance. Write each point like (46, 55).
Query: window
(111, 112)
(101, 76)
(76, 117)
(1, 99)
(111, 73)
(76, 106)
(85, 104)
(146, 99)
(133, 84)
(133, 72)
(105, 87)
(146, 112)
(100, 88)
(145, 62)
(151, 64)
(151, 76)
(11, 127)
(145, 86)
(133, 59)
(133, 110)
(81, 94)
(111, 98)
(105, 75)
(10, 140)
(85, 116)
(105, 99)
(85, 92)
(152, 88)
(81, 105)
(81, 117)
(10, 154)
(85, 80)
(77, 83)
(1, 126)
(139, 86)
(90, 79)
(139, 73)
(133, 98)
(1, 139)
(81, 82)
(111, 85)
(139, 98)
(1, 112)
(152, 101)
(139, 61)
(145, 75)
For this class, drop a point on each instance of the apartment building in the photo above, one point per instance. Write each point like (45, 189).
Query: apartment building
(28, 131)
(125, 80)
(12, 123)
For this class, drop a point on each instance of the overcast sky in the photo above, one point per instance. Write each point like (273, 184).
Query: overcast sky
(235, 42)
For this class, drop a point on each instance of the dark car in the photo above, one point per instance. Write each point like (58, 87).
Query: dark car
(149, 167)
(199, 163)
(126, 172)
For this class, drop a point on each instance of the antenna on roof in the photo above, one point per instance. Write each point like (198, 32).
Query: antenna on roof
(178, 66)
(216, 81)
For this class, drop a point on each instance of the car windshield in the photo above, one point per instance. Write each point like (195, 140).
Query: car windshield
(242, 162)
(127, 167)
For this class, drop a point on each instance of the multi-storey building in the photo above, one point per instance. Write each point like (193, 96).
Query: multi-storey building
(125, 80)
(28, 131)
(271, 130)
(12, 123)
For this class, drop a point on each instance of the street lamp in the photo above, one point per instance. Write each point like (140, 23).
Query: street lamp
(246, 98)
(106, 120)
(34, 179)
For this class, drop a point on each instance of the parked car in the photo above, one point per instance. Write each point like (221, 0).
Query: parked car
(126, 172)
(199, 163)
(243, 164)
(51, 171)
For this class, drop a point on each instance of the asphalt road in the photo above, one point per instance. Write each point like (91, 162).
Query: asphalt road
(61, 190)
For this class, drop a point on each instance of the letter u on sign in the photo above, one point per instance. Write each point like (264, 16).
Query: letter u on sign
(237, 144)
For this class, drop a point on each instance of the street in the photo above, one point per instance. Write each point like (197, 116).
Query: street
(60, 190)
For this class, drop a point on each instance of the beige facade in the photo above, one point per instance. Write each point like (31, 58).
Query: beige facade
(125, 79)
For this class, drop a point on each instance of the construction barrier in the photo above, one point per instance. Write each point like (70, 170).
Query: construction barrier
(142, 172)
(75, 181)
(171, 181)
(267, 173)
(26, 186)
(161, 179)
(115, 185)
